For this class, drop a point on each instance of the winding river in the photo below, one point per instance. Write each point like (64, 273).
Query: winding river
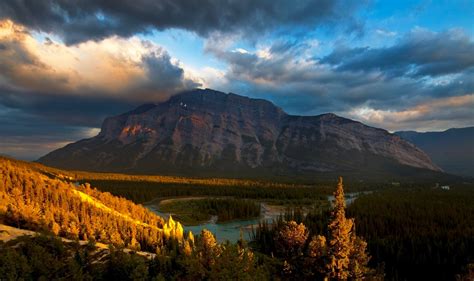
(228, 230)
(231, 230)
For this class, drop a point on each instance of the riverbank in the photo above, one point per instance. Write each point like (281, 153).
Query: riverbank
(198, 210)
(232, 229)
(228, 230)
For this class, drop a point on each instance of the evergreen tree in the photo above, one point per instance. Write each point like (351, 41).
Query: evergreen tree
(340, 242)
(343, 255)
(359, 258)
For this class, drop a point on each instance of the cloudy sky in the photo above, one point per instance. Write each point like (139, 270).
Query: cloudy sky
(65, 65)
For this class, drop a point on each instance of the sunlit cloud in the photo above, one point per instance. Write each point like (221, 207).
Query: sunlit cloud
(429, 115)
(129, 68)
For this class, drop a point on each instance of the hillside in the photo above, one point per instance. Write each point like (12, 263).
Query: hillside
(35, 200)
(452, 150)
(205, 132)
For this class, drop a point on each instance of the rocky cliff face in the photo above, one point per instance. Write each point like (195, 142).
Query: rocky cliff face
(212, 132)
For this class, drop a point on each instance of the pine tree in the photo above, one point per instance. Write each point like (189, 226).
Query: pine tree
(340, 245)
(291, 238)
(317, 252)
(347, 253)
(209, 249)
(359, 258)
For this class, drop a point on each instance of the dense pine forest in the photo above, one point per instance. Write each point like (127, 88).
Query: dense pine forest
(143, 191)
(421, 233)
(49, 258)
(406, 232)
(411, 233)
(224, 209)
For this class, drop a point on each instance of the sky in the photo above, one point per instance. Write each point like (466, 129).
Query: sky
(66, 65)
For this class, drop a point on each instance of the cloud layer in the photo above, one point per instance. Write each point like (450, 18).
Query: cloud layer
(78, 21)
(113, 71)
(408, 77)
(419, 53)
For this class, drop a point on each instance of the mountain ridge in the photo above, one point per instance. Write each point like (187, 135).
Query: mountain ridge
(210, 131)
(451, 149)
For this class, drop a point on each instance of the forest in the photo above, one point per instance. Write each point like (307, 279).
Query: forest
(34, 201)
(47, 257)
(31, 200)
(412, 233)
(142, 192)
(199, 210)
(418, 233)
(405, 232)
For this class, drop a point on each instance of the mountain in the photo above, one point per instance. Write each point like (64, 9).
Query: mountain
(206, 132)
(452, 150)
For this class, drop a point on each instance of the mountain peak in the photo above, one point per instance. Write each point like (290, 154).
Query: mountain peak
(210, 132)
(331, 117)
(209, 98)
(140, 109)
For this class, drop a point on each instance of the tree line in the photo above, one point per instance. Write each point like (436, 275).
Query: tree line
(145, 191)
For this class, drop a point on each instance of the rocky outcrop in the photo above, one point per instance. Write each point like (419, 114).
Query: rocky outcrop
(212, 132)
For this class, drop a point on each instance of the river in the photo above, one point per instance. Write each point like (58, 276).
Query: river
(231, 230)
(228, 230)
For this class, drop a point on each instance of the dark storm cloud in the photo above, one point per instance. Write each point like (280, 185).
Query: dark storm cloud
(86, 111)
(28, 136)
(165, 76)
(35, 124)
(420, 53)
(78, 21)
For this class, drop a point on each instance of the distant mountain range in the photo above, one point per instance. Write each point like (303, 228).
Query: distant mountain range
(210, 133)
(452, 150)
